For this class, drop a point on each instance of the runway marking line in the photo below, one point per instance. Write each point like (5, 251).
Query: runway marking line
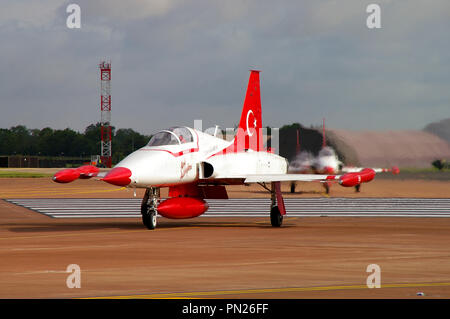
(128, 231)
(267, 290)
(57, 192)
(132, 231)
(96, 233)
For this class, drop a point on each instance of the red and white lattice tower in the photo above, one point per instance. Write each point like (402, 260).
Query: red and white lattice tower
(105, 107)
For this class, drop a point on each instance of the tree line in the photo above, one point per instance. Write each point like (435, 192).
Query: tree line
(19, 140)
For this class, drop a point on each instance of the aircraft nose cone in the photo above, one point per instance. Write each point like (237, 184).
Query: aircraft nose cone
(119, 176)
(329, 170)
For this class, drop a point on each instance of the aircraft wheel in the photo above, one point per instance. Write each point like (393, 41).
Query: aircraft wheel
(327, 187)
(293, 188)
(149, 219)
(275, 217)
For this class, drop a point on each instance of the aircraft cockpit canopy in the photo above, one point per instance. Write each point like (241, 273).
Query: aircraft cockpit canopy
(327, 151)
(173, 136)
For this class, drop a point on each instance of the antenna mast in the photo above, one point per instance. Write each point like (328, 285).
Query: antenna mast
(105, 108)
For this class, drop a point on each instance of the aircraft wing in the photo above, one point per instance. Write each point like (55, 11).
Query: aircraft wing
(266, 178)
(347, 180)
(350, 169)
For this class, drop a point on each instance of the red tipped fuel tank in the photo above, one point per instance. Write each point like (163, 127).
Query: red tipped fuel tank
(350, 179)
(66, 175)
(367, 175)
(182, 207)
(119, 176)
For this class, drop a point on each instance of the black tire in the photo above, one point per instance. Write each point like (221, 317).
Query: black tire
(358, 188)
(276, 219)
(292, 188)
(149, 219)
(327, 188)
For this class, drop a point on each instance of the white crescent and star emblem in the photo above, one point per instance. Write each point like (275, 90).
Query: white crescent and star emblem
(254, 122)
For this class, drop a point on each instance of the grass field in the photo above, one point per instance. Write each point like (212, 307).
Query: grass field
(418, 173)
(27, 172)
(15, 174)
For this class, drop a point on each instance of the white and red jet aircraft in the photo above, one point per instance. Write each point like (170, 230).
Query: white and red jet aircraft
(197, 166)
(327, 162)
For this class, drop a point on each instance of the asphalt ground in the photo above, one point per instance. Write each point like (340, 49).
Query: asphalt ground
(233, 257)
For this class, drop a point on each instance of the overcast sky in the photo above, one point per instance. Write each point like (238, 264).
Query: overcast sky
(176, 61)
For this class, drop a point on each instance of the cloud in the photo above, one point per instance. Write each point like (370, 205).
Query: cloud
(28, 14)
(127, 11)
(175, 61)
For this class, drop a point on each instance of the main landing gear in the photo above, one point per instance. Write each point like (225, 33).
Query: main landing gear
(327, 185)
(148, 207)
(276, 219)
(293, 187)
(151, 199)
(277, 209)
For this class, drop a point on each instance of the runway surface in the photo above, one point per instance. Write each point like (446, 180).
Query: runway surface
(247, 207)
(229, 257)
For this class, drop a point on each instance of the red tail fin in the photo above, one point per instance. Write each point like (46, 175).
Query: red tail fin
(249, 134)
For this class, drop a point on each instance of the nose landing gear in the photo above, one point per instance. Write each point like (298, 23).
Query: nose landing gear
(149, 207)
